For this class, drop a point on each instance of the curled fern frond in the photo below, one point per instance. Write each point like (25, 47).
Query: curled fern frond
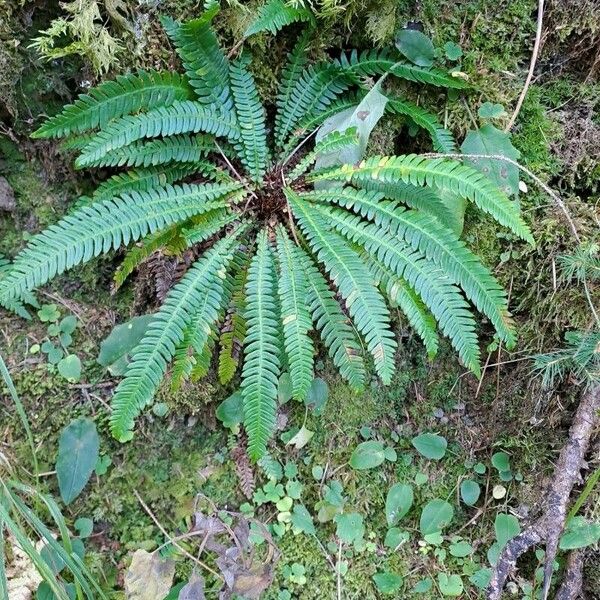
(445, 174)
(261, 361)
(112, 99)
(275, 15)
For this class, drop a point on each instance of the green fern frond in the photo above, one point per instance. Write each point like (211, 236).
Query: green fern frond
(261, 361)
(16, 305)
(377, 62)
(275, 15)
(207, 225)
(439, 245)
(335, 141)
(364, 302)
(141, 180)
(445, 174)
(295, 318)
(104, 226)
(314, 91)
(180, 117)
(176, 148)
(400, 294)
(434, 287)
(337, 334)
(442, 138)
(234, 328)
(113, 99)
(424, 199)
(252, 147)
(196, 298)
(204, 62)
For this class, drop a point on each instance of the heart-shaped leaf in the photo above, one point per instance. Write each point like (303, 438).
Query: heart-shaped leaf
(430, 445)
(367, 455)
(398, 502)
(436, 515)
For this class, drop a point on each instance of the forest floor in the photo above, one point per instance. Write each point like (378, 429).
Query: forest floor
(183, 453)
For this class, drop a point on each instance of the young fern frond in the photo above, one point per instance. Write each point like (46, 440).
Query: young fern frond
(353, 280)
(433, 286)
(400, 294)
(445, 174)
(439, 245)
(112, 99)
(261, 361)
(142, 180)
(195, 299)
(205, 64)
(177, 149)
(442, 139)
(295, 318)
(105, 226)
(252, 147)
(180, 117)
(275, 15)
(337, 334)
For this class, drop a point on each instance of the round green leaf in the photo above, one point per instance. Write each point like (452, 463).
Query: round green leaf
(453, 51)
(469, 492)
(491, 111)
(284, 388)
(506, 527)
(302, 519)
(84, 527)
(579, 533)
(398, 502)
(461, 549)
(160, 409)
(78, 447)
(430, 445)
(367, 455)
(387, 583)
(450, 585)
(416, 46)
(501, 461)
(436, 515)
(231, 411)
(68, 324)
(317, 396)
(350, 527)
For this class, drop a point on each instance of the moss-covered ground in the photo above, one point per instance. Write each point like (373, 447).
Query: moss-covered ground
(186, 452)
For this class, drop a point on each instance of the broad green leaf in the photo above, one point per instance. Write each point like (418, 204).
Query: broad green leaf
(436, 515)
(461, 549)
(450, 585)
(231, 411)
(398, 502)
(367, 455)
(416, 46)
(115, 349)
(70, 368)
(387, 582)
(423, 586)
(501, 461)
(579, 533)
(488, 110)
(394, 537)
(68, 324)
(430, 445)
(481, 578)
(350, 527)
(506, 527)
(469, 492)
(284, 388)
(77, 456)
(453, 51)
(84, 527)
(302, 519)
(488, 140)
(317, 395)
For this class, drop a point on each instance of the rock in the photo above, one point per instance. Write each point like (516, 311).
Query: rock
(7, 196)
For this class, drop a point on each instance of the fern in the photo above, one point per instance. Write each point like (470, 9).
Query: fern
(203, 60)
(253, 144)
(113, 99)
(365, 304)
(261, 365)
(104, 226)
(282, 248)
(446, 174)
(275, 15)
(194, 299)
(295, 317)
(179, 117)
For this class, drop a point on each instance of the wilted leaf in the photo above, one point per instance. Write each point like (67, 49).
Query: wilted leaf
(194, 589)
(302, 438)
(149, 577)
(78, 447)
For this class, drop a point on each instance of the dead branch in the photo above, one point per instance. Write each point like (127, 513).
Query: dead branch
(548, 528)
(572, 583)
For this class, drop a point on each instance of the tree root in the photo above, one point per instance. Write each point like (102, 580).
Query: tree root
(548, 528)
(572, 584)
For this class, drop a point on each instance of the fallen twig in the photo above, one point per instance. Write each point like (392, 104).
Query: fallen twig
(572, 583)
(549, 526)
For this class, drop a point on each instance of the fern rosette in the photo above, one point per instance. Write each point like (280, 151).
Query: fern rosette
(291, 244)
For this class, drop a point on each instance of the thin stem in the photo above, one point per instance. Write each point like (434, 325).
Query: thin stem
(289, 156)
(234, 170)
(534, 56)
